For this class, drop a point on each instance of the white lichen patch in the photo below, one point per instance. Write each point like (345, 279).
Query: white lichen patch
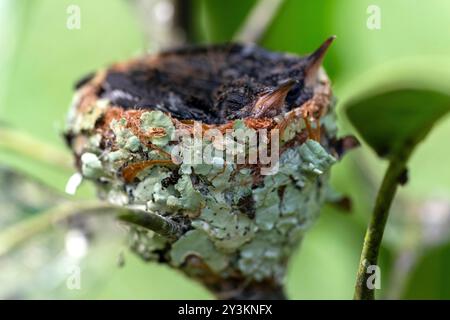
(91, 166)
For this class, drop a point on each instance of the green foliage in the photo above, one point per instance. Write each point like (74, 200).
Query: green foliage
(394, 122)
(409, 115)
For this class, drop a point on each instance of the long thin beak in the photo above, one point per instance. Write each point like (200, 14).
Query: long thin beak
(315, 61)
(272, 100)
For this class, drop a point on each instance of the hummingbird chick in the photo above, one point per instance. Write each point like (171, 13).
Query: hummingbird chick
(266, 95)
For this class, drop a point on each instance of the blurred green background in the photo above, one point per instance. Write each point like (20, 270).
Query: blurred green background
(40, 59)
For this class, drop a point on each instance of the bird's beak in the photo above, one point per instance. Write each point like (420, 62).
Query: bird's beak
(273, 99)
(314, 61)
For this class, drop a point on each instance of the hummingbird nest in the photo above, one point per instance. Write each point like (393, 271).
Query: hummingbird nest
(231, 225)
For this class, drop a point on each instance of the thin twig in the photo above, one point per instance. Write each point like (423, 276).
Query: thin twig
(19, 233)
(155, 222)
(258, 21)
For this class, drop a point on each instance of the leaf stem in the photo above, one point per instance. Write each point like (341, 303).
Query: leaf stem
(375, 230)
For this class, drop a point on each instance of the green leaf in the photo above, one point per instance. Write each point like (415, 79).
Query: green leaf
(392, 123)
(393, 115)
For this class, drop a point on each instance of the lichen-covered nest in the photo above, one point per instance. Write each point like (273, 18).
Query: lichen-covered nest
(235, 226)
